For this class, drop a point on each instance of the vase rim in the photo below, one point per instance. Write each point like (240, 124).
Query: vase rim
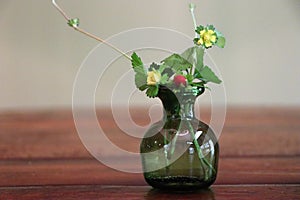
(194, 91)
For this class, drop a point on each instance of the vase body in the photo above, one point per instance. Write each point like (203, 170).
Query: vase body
(179, 152)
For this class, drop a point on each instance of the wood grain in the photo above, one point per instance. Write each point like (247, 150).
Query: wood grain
(247, 132)
(73, 172)
(256, 192)
(42, 157)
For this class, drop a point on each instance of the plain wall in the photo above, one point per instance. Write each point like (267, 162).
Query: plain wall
(40, 55)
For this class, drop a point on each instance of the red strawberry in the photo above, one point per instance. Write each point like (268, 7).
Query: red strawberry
(179, 79)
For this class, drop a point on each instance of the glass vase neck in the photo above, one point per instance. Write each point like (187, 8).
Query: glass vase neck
(179, 104)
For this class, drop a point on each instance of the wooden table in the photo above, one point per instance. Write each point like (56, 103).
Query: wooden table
(42, 157)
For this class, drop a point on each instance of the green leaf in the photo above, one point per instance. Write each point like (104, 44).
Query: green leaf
(196, 41)
(177, 63)
(194, 55)
(221, 42)
(189, 78)
(210, 27)
(197, 74)
(140, 72)
(209, 76)
(154, 66)
(73, 22)
(152, 91)
(141, 81)
(199, 28)
(199, 55)
(197, 84)
(164, 69)
(189, 55)
(137, 63)
(164, 79)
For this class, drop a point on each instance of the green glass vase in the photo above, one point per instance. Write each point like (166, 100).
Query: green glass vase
(179, 152)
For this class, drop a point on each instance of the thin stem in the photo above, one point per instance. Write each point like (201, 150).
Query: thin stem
(103, 41)
(174, 140)
(198, 148)
(166, 151)
(192, 8)
(60, 10)
(75, 26)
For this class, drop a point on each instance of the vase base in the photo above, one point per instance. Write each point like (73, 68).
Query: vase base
(179, 183)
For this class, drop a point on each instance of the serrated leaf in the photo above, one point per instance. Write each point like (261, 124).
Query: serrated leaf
(177, 63)
(152, 91)
(211, 27)
(136, 60)
(209, 76)
(199, 28)
(73, 22)
(137, 63)
(196, 40)
(140, 72)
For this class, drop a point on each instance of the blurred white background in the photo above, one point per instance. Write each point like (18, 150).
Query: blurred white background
(40, 55)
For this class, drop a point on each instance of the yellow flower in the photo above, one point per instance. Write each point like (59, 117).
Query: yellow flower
(207, 38)
(153, 78)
